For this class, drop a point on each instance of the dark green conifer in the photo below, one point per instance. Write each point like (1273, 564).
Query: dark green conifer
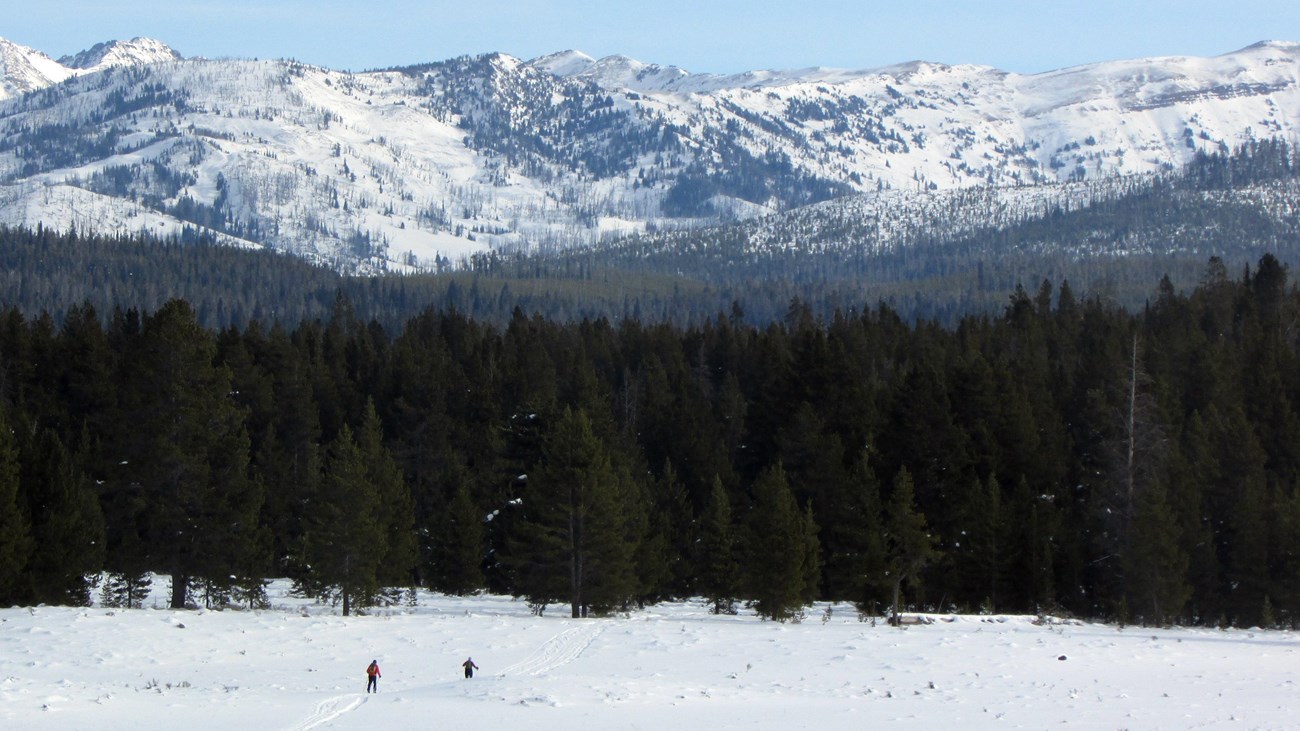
(859, 573)
(458, 565)
(67, 523)
(777, 545)
(396, 509)
(15, 529)
(1156, 567)
(345, 539)
(572, 544)
(909, 545)
(719, 569)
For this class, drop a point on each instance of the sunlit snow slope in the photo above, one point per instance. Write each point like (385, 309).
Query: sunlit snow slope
(416, 167)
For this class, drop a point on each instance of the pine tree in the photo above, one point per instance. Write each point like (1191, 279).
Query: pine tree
(812, 557)
(627, 586)
(977, 557)
(1156, 564)
(1193, 472)
(571, 545)
(84, 364)
(777, 546)
(396, 509)
(813, 458)
(856, 572)
(288, 456)
(1229, 458)
(15, 530)
(248, 587)
(1285, 553)
(909, 545)
(665, 561)
(186, 455)
(1032, 526)
(458, 565)
(648, 528)
(1248, 559)
(67, 523)
(718, 565)
(124, 590)
(1136, 462)
(233, 544)
(345, 539)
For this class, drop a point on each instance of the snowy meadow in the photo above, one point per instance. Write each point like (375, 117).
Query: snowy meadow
(301, 666)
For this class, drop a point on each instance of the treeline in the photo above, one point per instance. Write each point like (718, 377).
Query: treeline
(1232, 206)
(46, 271)
(1065, 455)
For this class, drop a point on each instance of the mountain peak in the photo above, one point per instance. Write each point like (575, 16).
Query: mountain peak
(121, 53)
(1288, 46)
(612, 72)
(563, 63)
(24, 69)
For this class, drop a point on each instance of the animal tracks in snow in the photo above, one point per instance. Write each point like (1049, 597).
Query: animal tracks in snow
(563, 648)
(328, 710)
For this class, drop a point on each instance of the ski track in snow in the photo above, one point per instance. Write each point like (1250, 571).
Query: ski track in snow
(328, 710)
(563, 648)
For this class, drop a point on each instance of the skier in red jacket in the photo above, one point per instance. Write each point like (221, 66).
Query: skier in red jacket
(470, 667)
(373, 674)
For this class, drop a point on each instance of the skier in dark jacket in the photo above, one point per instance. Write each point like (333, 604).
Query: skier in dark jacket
(470, 667)
(372, 673)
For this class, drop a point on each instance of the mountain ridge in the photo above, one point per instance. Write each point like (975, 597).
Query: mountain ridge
(138, 50)
(416, 167)
(24, 69)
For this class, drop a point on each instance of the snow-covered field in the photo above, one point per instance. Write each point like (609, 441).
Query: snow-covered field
(302, 666)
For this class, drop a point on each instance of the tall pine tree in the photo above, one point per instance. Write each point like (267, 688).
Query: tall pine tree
(909, 545)
(395, 507)
(778, 542)
(15, 531)
(1156, 564)
(67, 523)
(571, 544)
(346, 538)
(458, 559)
(186, 454)
(719, 568)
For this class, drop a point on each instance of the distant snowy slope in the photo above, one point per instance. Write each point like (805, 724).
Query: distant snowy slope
(420, 166)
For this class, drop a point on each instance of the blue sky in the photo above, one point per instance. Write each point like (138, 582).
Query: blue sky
(722, 37)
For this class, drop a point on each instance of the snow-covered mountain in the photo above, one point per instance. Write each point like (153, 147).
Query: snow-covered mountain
(24, 69)
(416, 166)
(121, 53)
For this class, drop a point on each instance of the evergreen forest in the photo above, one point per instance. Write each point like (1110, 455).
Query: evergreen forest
(960, 259)
(1061, 453)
